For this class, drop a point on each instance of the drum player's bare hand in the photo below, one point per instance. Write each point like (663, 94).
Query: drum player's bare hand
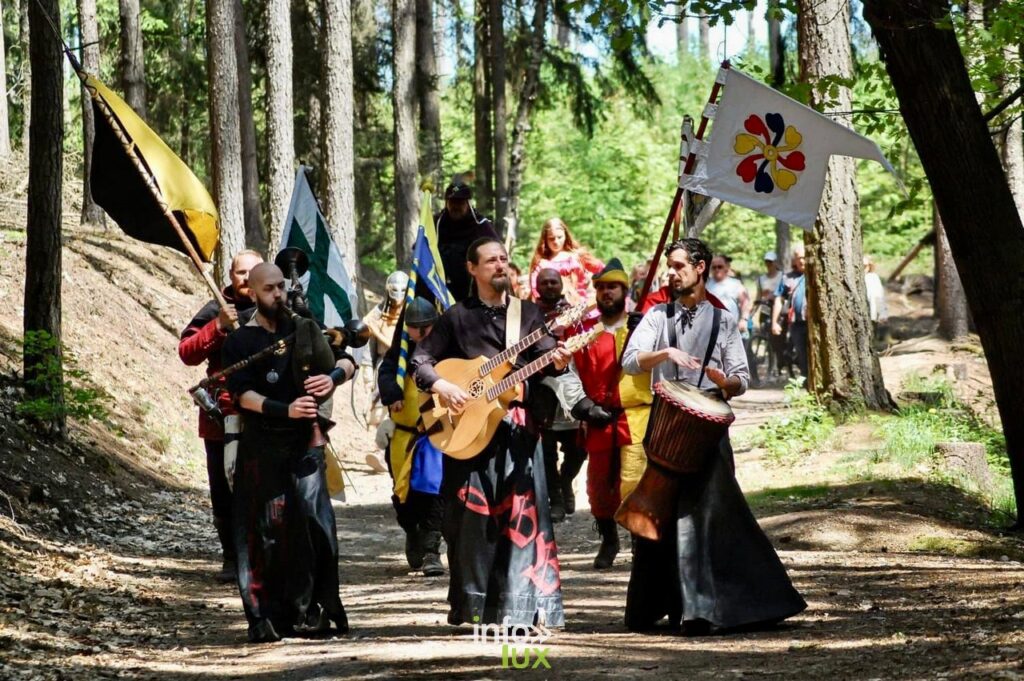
(302, 408)
(717, 377)
(318, 386)
(561, 356)
(683, 359)
(451, 395)
(227, 317)
(396, 407)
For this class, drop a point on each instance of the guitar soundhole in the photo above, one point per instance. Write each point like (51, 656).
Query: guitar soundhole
(476, 388)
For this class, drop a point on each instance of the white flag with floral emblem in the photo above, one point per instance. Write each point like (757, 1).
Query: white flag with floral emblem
(769, 152)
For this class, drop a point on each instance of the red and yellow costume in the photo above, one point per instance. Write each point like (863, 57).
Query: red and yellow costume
(616, 457)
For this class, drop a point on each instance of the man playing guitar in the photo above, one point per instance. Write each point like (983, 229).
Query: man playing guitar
(512, 573)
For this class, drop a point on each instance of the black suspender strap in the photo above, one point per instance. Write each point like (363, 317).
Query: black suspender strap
(670, 314)
(716, 320)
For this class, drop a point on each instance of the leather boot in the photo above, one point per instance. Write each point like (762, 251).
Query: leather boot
(229, 568)
(318, 620)
(568, 495)
(609, 543)
(554, 487)
(432, 566)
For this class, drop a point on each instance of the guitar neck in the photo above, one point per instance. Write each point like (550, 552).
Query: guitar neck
(518, 377)
(509, 354)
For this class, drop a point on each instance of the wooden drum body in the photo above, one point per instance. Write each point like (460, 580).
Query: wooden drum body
(685, 425)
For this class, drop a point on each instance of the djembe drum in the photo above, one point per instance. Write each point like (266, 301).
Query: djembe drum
(685, 425)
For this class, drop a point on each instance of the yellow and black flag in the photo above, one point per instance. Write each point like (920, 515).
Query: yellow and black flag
(134, 172)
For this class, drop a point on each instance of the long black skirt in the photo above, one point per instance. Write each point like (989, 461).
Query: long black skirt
(284, 530)
(501, 545)
(718, 566)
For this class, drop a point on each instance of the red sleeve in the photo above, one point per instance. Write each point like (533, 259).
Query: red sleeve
(656, 297)
(199, 342)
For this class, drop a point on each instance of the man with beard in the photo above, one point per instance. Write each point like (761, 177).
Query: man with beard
(285, 532)
(714, 569)
(561, 428)
(458, 225)
(614, 412)
(502, 557)
(201, 341)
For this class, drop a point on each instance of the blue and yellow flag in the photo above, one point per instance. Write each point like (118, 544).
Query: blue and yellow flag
(426, 264)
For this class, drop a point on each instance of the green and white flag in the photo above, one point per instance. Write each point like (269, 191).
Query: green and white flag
(328, 287)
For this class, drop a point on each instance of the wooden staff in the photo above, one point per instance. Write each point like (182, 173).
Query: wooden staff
(150, 182)
(676, 200)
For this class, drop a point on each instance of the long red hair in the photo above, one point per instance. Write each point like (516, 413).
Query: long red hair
(543, 251)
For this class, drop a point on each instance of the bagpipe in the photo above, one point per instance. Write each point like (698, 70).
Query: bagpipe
(314, 347)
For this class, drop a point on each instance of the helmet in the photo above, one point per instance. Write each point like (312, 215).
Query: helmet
(396, 284)
(420, 313)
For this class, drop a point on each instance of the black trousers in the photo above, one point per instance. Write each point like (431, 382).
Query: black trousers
(573, 458)
(220, 495)
(798, 340)
(420, 511)
(285, 533)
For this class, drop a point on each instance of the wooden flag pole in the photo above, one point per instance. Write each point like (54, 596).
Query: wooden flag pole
(150, 182)
(688, 168)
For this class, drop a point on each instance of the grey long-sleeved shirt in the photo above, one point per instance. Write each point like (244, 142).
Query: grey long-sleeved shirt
(652, 335)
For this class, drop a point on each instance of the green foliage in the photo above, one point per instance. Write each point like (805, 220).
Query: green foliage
(911, 436)
(806, 426)
(910, 439)
(79, 399)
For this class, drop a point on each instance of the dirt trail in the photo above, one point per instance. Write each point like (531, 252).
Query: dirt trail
(137, 601)
(100, 577)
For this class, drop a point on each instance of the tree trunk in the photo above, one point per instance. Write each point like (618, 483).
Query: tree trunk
(407, 200)
(280, 116)
(950, 304)
(682, 36)
(89, 35)
(224, 131)
(339, 152)
(26, 73)
(428, 95)
(255, 235)
(364, 45)
(985, 234)
(751, 38)
(132, 66)
(441, 54)
(562, 28)
(522, 123)
(5, 126)
(500, 129)
(185, 103)
(705, 38)
(842, 368)
(43, 237)
(777, 68)
(776, 44)
(484, 183)
(1013, 138)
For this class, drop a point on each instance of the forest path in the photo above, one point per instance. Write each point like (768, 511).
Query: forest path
(140, 603)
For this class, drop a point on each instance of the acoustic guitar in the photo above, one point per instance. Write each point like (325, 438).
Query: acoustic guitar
(463, 435)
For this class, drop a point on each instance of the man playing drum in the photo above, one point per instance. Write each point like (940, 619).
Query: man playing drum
(714, 568)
